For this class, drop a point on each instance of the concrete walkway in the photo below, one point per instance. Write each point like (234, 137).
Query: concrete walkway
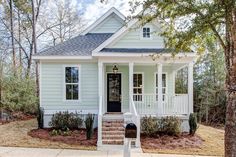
(39, 152)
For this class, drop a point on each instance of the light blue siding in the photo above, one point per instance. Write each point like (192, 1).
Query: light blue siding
(133, 39)
(52, 87)
(110, 25)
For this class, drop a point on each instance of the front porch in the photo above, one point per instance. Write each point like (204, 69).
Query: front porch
(142, 89)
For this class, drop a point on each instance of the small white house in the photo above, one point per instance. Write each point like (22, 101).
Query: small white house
(109, 70)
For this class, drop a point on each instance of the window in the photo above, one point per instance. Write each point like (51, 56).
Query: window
(72, 83)
(146, 32)
(138, 87)
(163, 87)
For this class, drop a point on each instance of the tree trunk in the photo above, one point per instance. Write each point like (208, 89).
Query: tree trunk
(19, 40)
(230, 57)
(12, 38)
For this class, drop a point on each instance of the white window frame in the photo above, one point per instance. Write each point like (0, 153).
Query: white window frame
(156, 87)
(64, 82)
(142, 87)
(141, 32)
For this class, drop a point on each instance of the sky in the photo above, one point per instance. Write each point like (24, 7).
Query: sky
(93, 9)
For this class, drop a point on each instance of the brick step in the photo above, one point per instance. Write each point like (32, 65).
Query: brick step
(113, 137)
(112, 121)
(115, 142)
(113, 124)
(113, 129)
(113, 132)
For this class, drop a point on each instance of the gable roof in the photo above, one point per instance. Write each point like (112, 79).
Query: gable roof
(116, 36)
(102, 18)
(82, 45)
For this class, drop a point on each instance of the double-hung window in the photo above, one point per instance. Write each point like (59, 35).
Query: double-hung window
(163, 87)
(72, 83)
(138, 87)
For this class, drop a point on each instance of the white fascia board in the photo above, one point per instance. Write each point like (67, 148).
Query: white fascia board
(102, 18)
(60, 57)
(115, 36)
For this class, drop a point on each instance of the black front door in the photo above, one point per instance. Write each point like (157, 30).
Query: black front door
(113, 92)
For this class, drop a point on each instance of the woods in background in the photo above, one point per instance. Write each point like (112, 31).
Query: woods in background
(22, 23)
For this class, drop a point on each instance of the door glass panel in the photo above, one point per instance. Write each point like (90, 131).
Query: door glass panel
(114, 88)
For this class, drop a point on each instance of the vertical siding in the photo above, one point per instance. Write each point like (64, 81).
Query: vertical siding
(52, 87)
(133, 39)
(110, 25)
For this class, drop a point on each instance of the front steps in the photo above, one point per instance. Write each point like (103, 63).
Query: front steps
(113, 131)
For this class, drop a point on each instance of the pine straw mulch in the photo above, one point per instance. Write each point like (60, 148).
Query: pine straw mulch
(207, 141)
(15, 134)
(76, 137)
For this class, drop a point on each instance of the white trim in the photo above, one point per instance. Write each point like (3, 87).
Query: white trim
(141, 32)
(102, 18)
(190, 87)
(60, 57)
(166, 88)
(64, 83)
(40, 83)
(160, 99)
(142, 73)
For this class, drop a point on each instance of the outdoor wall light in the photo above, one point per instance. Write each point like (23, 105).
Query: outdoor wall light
(115, 68)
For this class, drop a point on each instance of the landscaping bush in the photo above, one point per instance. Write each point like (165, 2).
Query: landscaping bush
(192, 123)
(40, 117)
(89, 125)
(65, 120)
(149, 125)
(19, 95)
(170, 125)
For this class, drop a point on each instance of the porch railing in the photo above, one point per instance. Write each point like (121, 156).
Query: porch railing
(147, 104)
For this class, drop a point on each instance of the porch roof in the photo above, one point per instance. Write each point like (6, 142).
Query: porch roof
(137, 50)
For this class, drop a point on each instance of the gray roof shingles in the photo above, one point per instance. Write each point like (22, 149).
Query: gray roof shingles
(136, 50)
(82, 45)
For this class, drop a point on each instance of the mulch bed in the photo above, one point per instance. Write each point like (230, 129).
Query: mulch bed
(171, 142)
(77, 137)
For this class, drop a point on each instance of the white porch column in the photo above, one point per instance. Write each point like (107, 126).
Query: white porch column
(190, 87)
(100, 101)
(131, 71)
(160, 99)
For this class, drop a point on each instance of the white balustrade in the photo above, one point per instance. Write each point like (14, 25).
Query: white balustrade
(147, 104)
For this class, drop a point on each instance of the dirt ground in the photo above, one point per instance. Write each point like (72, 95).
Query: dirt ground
(15, 134)
(210, 142)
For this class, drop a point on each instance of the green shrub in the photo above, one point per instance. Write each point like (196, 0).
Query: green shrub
(192, 123)
(89, 125)
(170, 125)
(65, 120)
(149, 125)
(40, 117)
(19, 95)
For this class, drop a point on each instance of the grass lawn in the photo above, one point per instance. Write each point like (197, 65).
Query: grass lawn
(212, 144)
(15, 134)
